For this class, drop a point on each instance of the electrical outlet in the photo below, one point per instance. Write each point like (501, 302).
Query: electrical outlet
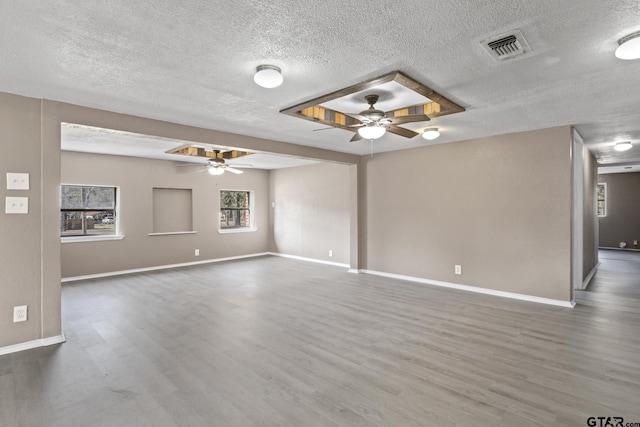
(330, 253)
(20, 313)
(197, 252)
(458, 269)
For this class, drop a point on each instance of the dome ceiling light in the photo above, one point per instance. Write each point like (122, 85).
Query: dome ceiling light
(622, 146)
(372, 131)
(268, 76)
(629, 47)
(430, 134)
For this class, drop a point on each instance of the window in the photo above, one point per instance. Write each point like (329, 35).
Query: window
(602, 199)
(235, 210)
(87, 210)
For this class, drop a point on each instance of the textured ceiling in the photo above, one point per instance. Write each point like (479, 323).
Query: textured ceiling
(192, 62)
(88, 139)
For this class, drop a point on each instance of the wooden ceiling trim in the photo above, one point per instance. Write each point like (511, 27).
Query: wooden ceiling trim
(313, 111)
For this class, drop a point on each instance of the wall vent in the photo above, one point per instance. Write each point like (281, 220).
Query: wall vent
(507, 46)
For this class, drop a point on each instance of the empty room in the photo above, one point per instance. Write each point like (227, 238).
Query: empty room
(331, 214)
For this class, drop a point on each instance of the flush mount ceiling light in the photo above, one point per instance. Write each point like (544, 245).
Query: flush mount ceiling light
(622, 146)
(268, 76)
(431, 134)
(629, 47)
(372, 131)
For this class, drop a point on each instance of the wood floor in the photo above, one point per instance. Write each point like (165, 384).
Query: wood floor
(278, 342)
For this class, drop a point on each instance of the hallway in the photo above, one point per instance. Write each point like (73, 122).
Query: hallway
(616, 285)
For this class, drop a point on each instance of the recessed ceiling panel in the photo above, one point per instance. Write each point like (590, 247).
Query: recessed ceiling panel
(392, 96)
(89, 139)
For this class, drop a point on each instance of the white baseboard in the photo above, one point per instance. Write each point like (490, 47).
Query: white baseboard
(301, 258)
(620, 249)
(32, 344)
(587, 280)
(159, 267)
(468, 288)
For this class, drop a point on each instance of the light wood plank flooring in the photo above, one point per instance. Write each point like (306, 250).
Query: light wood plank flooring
(278, 342)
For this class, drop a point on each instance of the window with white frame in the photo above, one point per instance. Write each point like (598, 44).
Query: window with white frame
(87, 210)
(236, 210)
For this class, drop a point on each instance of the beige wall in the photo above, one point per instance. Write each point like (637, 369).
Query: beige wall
(622, 223)
(30, 244)
(312, 211)
(590, 221)
(500, 207)
(136, 178)
(21, 276)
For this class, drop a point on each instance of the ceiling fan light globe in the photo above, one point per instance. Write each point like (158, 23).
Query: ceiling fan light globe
(215, 171)
(268, 76)
(431, 134)
(622, 146)
(372, 132)
(629, 47)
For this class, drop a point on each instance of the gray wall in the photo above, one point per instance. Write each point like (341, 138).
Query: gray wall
(622, 223)
(22, 277)
(500, 207)
(590, 219)
(136, 178)
(312, 211)
(30, 244)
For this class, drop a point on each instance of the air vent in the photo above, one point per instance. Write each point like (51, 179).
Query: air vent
(507, 46)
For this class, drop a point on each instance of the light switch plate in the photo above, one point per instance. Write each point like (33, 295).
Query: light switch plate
(17, 181)
(16, 205)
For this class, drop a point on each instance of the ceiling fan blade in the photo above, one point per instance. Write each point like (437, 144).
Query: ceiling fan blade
(240, 165)
(356, 137)
(409, 119)
(182, 165)
(315, 130)
(232, 170)
(407, 133)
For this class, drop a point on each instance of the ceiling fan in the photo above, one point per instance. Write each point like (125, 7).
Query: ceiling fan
(217, 166)
(374, 123)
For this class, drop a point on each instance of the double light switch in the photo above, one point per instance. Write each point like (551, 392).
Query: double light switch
(17, 205)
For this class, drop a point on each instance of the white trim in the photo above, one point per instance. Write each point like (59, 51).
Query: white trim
(619, 249)
(354, 270)
(301, 258)
(493, 292)
(169, 233)
(237, 230)
(82, 239)
(32, 344)
(577, 209)
(158, 267)
(586, 281)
